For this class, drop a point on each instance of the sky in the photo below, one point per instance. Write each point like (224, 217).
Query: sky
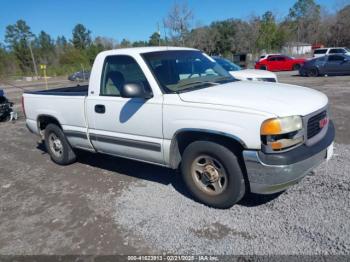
(131, 19)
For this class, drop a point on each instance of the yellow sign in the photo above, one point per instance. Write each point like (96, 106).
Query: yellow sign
(42, 67)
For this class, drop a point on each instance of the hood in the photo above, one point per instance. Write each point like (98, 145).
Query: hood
(252, 73)
(273, 98)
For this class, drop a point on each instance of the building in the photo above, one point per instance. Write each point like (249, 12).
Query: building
(297, 48)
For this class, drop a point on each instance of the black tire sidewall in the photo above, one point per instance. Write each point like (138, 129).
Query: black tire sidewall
(68, 155)
(312, 72)
(296, 67)
(235, 187)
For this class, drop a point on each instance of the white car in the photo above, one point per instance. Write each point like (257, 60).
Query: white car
(176, 108)
(245, 74)
(331, 51)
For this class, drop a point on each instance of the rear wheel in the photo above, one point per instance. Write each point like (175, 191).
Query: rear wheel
(296, 67)
(263, 67)
(312, 72)
(57, 145)
(212, 174)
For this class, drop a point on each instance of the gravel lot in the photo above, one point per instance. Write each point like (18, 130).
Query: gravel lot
(310, 218)
(106, 205)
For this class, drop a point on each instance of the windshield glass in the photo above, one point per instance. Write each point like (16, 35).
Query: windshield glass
(185, 70)
(227, 64)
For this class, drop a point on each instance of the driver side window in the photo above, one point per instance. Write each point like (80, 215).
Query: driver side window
(119, 70)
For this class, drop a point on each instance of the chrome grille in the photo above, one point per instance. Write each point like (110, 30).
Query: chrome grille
(313, 125)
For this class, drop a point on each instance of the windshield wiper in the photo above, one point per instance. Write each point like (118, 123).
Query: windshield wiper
(225, 79)
(197, 85)
(199, 82)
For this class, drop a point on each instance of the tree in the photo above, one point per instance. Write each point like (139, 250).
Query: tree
(19, 38)
(125, 43)
(46, 47)
(105, 42)
(61, 41)
(202, 38)
(178, 22)
(154, 39)
(341, 27)
(304, 18)
(81, 37)
(270, 37)
(139, 43)
(8, 63)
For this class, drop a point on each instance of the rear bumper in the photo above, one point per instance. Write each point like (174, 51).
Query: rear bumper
(271, 173)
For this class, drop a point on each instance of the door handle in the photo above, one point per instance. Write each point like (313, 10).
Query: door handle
(100, 109)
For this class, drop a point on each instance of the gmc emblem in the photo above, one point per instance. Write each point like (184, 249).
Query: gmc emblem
(323, 122)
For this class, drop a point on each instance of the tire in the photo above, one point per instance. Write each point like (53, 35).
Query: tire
(296, 67)
(313, 72)
(57, 146)
(263, 67)
(212, 174)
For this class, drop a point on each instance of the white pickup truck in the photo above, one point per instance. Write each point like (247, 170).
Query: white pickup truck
(176, 107)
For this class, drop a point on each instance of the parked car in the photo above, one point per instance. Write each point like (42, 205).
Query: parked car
(280, 63)
(79, 76)
(245, 74)
(176, 107)
(330, 50)
(327, 65)
(265, 56)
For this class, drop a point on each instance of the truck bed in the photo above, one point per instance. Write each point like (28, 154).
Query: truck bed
(79, 90)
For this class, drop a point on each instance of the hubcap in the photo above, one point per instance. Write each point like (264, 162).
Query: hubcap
(55, 144)
(209, 175)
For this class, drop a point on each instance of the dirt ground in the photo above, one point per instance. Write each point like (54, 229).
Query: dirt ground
(49, 209)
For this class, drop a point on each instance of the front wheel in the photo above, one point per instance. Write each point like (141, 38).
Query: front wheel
(57, 146)
(212, 174)
(312, 72)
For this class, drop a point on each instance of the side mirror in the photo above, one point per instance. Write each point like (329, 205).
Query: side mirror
(135, 90)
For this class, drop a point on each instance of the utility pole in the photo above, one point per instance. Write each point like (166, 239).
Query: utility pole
(33, 59)
(158, 34)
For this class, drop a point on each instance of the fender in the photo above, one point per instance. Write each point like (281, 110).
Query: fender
(174, 155)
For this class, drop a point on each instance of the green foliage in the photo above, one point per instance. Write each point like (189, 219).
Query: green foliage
(18, 36)
(270, 37)
(154, 39)
(125, 43)
(304, 10)
(304, 23)
(304, 20)
(81, 37)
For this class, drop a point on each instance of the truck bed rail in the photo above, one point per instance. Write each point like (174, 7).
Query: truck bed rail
(79, 90)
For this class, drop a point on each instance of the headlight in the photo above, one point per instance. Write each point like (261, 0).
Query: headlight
(282, 133)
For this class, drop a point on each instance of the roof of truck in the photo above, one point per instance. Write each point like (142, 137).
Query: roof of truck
(140, 50)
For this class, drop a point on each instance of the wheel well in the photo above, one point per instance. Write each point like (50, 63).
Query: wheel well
(44, 120)
(183, 139)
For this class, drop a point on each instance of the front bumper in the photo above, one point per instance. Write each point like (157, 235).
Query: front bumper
(271, 173)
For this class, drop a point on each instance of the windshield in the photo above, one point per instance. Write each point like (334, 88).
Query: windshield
(227, 64)
(185, 70)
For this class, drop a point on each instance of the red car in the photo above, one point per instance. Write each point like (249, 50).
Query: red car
(280, 63)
